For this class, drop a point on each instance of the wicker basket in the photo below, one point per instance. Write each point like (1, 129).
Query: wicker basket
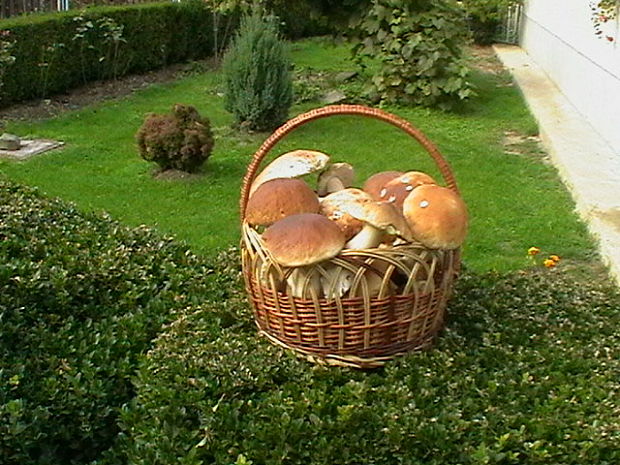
(397, 294)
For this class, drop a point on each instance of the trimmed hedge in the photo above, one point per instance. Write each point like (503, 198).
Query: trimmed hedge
(80, 298)
(525, 373)
(56, 52)
(59, 51)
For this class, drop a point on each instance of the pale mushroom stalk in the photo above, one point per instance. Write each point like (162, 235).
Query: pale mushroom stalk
(368, 238)
(302, 281)
(337, 177)
(336, 281)
(334, 184)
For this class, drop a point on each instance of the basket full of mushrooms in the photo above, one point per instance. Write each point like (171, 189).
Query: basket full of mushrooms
(343, 275)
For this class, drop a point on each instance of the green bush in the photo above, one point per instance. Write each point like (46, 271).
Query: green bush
(80, 298)
(182, 140)
(47, 54)
(417, 48)
(257, 76)
(485, 17)
(525, 373)
(59, 51)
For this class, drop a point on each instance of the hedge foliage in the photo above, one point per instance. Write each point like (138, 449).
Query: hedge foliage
(56, 52)
(417, 48)
(80, 298)
(525, 373)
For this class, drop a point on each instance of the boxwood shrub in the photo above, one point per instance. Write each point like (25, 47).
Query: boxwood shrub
(55, 52)
(80, 298)
(58, 51)
(526, 372)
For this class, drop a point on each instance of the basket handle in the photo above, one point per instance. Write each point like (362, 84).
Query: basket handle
(331, 110)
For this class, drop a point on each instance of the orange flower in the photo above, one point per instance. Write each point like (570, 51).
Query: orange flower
(533, 251)
(555, 258)
(549, 263)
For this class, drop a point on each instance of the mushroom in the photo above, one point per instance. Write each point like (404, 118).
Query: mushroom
(337, 177)
(437, 217)
(396, 190)
(302, 240)
(337, 281)
(330, 207)
(379, 218)
(373, 281)
(279, 198)
(291, 165)
(377, 181)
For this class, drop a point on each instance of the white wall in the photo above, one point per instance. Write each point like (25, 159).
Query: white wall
(559, 36)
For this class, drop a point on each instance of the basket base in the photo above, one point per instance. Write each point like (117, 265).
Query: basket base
(346, 360)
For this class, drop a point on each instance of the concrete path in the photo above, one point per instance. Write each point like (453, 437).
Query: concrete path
(587, 164)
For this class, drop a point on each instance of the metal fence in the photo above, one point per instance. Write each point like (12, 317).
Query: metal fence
(510, 28)
(10, 8)
(15, 7)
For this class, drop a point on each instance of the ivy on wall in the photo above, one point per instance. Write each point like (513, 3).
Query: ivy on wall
(603, 12)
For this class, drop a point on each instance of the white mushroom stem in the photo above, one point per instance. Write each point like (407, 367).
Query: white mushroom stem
(330, 185)
(336, 282)
(303, 281)
(368, 238)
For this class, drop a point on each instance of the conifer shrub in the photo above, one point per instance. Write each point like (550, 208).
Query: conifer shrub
(257, 76)
(181, 140)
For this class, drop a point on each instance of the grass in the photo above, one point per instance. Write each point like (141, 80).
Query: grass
(514, 201)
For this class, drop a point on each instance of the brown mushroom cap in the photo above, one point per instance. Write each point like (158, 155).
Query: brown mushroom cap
(279, 198)
(437, 216)
(378, 217)
(303, 239)
(377, 181)
(291, 165)
(396, 190)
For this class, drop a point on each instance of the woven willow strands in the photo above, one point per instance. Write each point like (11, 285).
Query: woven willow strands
(363, 307)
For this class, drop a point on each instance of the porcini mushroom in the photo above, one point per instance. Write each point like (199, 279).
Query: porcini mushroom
(379, 218)
(302, 240)
(279, 198)
(437, 216)
(368, 280)
(377, 181)
(396, 190)
(330, 207)
(291, 165)
(336, 177)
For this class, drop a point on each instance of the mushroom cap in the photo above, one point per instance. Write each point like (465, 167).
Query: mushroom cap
(303, 239)
(330, 207)
(343, 171)
(377, 181)
(396, 190)
(381, 215)
(437, 216)
(279, 198)
(291, 165)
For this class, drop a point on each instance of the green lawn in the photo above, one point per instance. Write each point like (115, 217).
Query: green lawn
(515, 201)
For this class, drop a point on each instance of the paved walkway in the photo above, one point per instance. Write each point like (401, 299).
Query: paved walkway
(587, 164)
